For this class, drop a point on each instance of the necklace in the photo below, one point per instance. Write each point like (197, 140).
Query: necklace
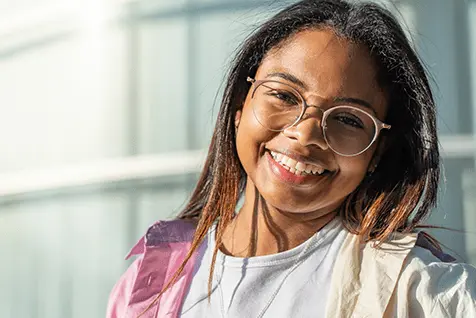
(299, 260)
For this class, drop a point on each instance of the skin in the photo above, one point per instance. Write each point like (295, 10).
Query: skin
(279, 215)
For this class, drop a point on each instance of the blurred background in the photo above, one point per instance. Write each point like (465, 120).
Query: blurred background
(106, 107)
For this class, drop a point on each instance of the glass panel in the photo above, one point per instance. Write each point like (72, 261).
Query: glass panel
(471, 25)
(469, 178)
(158, 6)
(57, 250)
(451, 211)
(88, 95)
(217, 38)
(449, 68)
(64, 102)
(163, 86)
(10, 8)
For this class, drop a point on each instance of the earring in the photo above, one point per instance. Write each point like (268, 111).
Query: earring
(371, 171)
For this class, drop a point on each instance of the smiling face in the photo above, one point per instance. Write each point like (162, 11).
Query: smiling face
(327, 71)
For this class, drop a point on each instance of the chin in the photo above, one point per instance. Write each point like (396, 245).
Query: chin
(285, 203)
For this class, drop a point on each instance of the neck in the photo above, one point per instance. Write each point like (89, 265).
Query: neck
(260, 229)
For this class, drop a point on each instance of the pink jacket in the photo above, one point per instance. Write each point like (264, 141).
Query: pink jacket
(161, 252)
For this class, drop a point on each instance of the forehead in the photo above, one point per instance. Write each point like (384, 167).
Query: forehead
(329, 66)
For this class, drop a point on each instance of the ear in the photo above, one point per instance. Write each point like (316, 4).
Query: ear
(381, 147)
(237, 118)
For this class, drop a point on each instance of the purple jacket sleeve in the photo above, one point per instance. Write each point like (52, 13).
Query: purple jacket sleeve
(121, 292)
(423, 241)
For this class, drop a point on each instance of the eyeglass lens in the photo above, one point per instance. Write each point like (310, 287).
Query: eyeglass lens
(347, 130)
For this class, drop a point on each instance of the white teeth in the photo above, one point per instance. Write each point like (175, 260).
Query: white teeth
(291, 163)
(318, 170)
(301, 166)
(298, 168)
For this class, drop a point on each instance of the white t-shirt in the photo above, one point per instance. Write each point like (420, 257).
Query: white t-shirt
(294, 283)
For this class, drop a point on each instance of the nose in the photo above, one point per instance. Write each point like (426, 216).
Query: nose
(308, 131)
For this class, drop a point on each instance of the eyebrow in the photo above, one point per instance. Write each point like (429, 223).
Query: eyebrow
(289, 77)
(355, 101)
(347, 100)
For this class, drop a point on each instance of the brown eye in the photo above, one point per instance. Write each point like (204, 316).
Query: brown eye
(285, 96)
(349, 120)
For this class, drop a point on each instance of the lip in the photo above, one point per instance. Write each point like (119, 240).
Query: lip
(303, 159)
(284, 175)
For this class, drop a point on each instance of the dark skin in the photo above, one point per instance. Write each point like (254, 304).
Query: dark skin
(279, 215)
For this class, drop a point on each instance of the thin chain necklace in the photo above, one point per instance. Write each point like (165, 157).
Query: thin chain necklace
(299, 261)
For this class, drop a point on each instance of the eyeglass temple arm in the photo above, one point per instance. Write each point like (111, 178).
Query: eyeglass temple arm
(251, 80)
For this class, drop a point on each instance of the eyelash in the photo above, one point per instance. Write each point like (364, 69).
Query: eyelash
(285, 97)
(355, 121)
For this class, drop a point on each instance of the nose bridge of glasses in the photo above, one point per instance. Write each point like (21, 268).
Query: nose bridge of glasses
(310, 127)
(313, 111)
(312, 116)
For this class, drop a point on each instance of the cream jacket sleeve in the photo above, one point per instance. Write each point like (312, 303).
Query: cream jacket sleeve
(430, 288)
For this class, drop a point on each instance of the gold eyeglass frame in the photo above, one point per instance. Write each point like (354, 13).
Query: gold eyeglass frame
(379, 125)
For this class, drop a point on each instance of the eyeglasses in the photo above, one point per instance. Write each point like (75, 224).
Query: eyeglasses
(347, 130)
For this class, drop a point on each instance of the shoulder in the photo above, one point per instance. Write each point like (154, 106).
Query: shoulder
(421, 262)
(172, 231)
(437, 288)
(149, 251)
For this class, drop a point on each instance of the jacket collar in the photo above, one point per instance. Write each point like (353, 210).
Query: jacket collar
(163, 248)
(174, 231)
(365, 276)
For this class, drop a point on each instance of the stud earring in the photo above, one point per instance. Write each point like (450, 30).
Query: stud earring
(371, 171)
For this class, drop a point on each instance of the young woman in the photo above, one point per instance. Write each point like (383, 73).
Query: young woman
(326, 136)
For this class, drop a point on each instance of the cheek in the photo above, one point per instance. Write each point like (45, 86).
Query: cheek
(354, 169)
(250, 130)
(249, 123)
(251, 138)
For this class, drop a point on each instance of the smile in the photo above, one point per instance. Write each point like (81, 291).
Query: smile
(296, 167)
